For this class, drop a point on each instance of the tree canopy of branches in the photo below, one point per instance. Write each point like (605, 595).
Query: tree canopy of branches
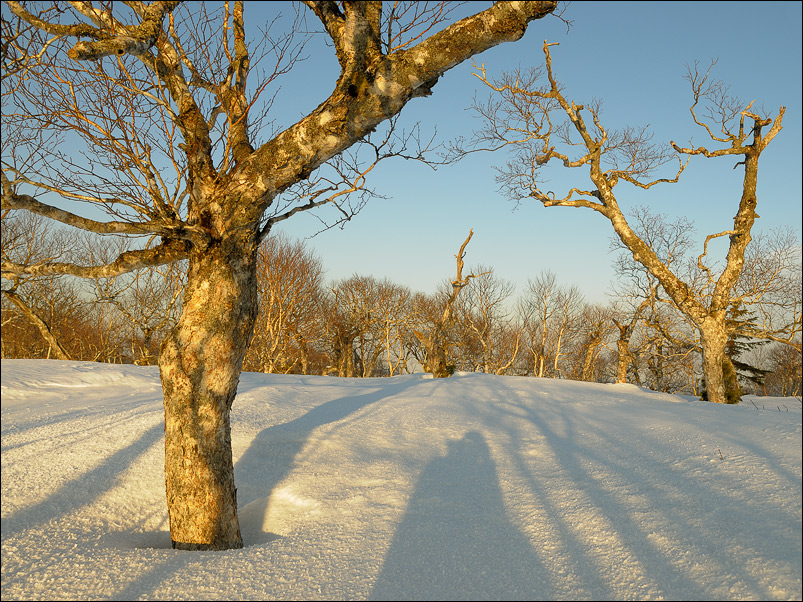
(169, 105)
(530, 114)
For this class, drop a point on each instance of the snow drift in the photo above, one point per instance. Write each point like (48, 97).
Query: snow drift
(474, 487)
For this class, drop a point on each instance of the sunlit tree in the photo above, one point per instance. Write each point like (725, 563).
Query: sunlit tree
(157, 116)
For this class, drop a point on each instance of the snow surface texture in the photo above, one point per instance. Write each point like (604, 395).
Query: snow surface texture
(474, 487)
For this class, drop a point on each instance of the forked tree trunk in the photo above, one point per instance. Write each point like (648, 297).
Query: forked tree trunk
(228, 192)
(435, 343)
(706, 314)
(200, 365)
(436, 356)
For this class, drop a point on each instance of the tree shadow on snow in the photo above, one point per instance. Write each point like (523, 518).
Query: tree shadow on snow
(268, 459)
(639, 490)
(455, 541)
(271, 455)
(84, 489)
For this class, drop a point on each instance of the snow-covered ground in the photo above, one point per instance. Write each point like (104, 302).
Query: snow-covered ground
(474, 487)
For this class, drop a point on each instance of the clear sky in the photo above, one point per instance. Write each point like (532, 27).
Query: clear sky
(633, 56)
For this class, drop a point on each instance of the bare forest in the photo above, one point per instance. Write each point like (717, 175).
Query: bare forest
(366, 326)
(143, 173)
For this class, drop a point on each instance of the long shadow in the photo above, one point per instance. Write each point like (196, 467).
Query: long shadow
(455, 541)
(84, 489)
(622, 462)
(792, 479)
(144, 585)
(115, 417)
(723, 516)
(14, 425)
(268, 459)
(271, 455)
(571, 452)
(579, 562)
(565, 433)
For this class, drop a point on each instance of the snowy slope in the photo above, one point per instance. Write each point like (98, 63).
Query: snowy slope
(474, 487)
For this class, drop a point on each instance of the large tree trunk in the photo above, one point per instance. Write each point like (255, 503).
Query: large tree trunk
(623, 359)
(228, 185)
(713, 340)
(200, 365)
(437, 363)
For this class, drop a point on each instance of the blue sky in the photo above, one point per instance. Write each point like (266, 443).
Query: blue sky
(633, 55)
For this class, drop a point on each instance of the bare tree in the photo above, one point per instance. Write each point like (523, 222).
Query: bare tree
(485, 322)
(149, 302)
(289, 286)
(638, 293)
(367, 322)
(549, 313)
(354, 321)
(342, 329)
(542, 125)
(140, 307)
(28, 238)
(785, 377)
(426, 310)
(435, 341)
(768, 289)
(169, 101)
(394, 316)
(593, 330)
(626, 325)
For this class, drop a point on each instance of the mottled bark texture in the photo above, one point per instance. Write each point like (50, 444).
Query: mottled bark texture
(436, 363)
(200, 365)
(221, 226)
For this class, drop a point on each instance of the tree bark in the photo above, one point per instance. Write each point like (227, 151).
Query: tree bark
(436, 362)
(435, 343)
(713, 340)
(732, 135)
(623, 359)
(201, 359)
(200, 365)
(588, 361)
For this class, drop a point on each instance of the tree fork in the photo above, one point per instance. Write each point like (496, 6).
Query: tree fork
(200, 360)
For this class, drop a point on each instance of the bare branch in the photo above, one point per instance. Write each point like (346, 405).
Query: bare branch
(138, 42)
(41, 326)
(166, 252)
